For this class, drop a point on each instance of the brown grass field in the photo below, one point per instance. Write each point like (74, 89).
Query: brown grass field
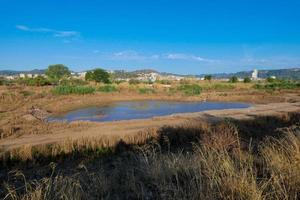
(230, 158)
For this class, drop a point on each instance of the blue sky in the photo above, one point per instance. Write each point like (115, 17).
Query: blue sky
(187, 37)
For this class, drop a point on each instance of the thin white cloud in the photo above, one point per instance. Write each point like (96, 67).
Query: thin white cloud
(55, 33)
(189, 57)
(22, 28)
(129, 55)
(133, 55)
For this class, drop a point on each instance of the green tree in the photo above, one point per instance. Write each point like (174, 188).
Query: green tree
(208, 77)
(247, 80)
(271, 79)
(89, 76)
(233, 79)
(58, 71)
(40, 81)
(98, 75)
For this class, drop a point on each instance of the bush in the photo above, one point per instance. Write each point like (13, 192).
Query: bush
(208, 77)
(247, 80)
(146, 90)
(190, 89)
(57, 71)
(108, 88)
(64, 90)
(223, 86)
(134, 81)
(164, 82)
(4, 81)
(98, 75)
(26, 93)
(278, 85)
(271, 80)
(37, 81)
(72, 82)
(233, 79)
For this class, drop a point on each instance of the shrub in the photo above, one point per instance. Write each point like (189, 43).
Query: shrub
(164, 82)
(190, 89)
(271, 79)
(134, 81)
(208, 77)
(4, 81)
(41, 81)
(233, 79)
(108, 88)
(26, 93)
(224, 86)
(37, 81)
(98, 75)
(72, 82)
(277, 85)
(89, 76)
(64, 90)
(146, 90)
(247, 80)
(58, 71)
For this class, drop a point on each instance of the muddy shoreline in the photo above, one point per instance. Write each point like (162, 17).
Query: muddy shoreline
(119, 129)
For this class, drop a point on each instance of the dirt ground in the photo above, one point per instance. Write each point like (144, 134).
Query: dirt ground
(19, 126)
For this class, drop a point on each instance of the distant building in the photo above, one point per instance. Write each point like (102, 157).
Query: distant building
(81, 75)
(254, 75)
(22, 75)
(9, 77)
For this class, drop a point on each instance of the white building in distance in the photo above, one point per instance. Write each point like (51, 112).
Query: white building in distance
(254, 75)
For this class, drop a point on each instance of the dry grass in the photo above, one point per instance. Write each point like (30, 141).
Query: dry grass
(195, 161)
(16, 101)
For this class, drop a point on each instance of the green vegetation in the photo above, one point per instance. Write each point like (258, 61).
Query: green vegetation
(218, 86)
(164, 82)
(146, 90)
(120, 74)
(4, 81)
(247, 80)
(108, 88)
(26, 93)
(73, 82)
(37, 81)
(57, 72)
(134, 82)
(278, 85)
(190, 89)
(208, 77)
(66, 89)
(271, 80)
(98, 75)
(233, 79)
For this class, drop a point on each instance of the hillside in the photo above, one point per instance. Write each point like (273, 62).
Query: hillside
(13, 72)
(293, 73)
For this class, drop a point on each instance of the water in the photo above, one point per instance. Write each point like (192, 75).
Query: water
(141, 110)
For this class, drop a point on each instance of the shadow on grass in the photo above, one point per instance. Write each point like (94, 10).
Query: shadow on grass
(125, 161)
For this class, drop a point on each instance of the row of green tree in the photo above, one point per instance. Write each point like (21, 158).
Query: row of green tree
(60, 74)
(59, 71)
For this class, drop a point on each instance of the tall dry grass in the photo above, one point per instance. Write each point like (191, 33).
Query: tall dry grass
(195, 161)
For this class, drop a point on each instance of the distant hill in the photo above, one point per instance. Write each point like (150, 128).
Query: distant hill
(12, 72)
(293, 73)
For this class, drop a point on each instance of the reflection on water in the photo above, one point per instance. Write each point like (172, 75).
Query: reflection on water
(141, 110)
